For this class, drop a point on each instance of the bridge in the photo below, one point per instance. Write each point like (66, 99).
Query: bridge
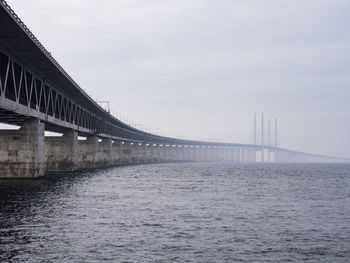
(38, 95)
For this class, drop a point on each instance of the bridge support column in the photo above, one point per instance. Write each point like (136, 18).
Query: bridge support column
(160, 150)
(22, 151)
(211, 153)
(134, 152)
(148, 153)
(165, 153)
(142, 153)
(244, 154)
(116, 152)
(61, 152)
(156, 153)
(104, 153)
(227, 154)
(154, 150)
(87, 152)
(238, 154)
(202, 153)
(170, 153)
(178, 157)
(174, 153)
(126, 153)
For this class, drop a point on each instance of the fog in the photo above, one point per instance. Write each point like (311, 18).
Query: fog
(199, 69)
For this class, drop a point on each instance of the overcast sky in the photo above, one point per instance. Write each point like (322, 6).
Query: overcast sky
(199, 69)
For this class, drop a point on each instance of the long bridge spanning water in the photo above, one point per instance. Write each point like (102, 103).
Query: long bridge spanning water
(38, 95)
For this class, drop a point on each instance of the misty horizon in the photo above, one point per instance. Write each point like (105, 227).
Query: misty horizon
(199, 70)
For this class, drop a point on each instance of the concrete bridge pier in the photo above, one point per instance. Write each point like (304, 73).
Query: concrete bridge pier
(126, 153)
(207, 153)
(203, 153)
(142, 153)
(116, 152)
(104, 156)
(227, 158)
(244, 154)
(178, 153)
(192, 153)
(148, 153)
(222, 154)
(165, 153)
(22, 152)
(230, 154)
(215, 153)
(61, 152)
(252, 155)
(156, 153)
(87, 150)
(236, 151)
(134, 152)
(175, 155)
(184, 153)
(161, 152)
(171, 155)
(249, 155)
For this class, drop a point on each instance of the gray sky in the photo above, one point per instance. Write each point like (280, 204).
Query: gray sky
(199, 69)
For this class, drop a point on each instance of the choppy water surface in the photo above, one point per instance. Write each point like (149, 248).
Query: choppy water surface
(192, 212)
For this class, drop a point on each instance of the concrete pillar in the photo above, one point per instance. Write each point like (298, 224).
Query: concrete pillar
(228, 154)
(61, 152)
(142, 156)
(249, 154)
(87, 155)
(238, 154)
(211, 153)
(127, 153)
(243, 154)
(174, 153)
(22, 152)
(134, 152)
(158, 153)
(183, 150)
(170, 153)
(185, 153)
(116, 152)
(122, 147)
(148, 153)
(202, 153)
(104, 154)
(164, 153)
(178, 153)
(194, 150)
(161, 153)
(188, 153)
(171, 157)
